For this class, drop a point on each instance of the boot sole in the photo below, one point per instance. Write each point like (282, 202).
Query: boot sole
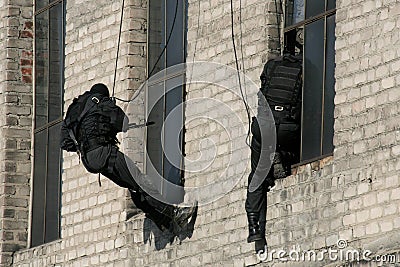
(254, 238)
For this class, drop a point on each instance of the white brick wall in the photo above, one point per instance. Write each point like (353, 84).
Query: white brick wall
(353, 195)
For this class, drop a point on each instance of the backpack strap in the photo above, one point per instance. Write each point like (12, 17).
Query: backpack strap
(88, 106)
(72, 135)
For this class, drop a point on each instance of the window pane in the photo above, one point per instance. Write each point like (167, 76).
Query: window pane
(329, 92)
(156, 115)
(49, 57)
(314, 7)
(41, 68)
(56, 63)
(298, 11)
(312, 92)
(162, 15)
(331, 4)
(175, 50)
(156, 35)
(39, 185)
(53, 184)
(294, 12)
(173, 137)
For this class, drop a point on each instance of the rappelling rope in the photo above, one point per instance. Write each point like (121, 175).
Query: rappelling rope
(158, 59)
(118, 46)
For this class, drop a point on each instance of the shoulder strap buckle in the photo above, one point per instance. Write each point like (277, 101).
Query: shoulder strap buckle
(95, 99)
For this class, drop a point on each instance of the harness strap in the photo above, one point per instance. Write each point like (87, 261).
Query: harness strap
(112, 159)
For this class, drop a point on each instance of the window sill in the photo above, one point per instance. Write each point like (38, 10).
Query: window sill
(315, 164)
(45, 250)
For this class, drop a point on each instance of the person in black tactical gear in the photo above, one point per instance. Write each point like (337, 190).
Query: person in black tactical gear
(281, 92)
(90, 127)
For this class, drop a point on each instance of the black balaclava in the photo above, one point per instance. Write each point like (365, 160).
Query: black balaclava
(100, 88)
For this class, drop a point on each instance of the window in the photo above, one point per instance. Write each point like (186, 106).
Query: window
(167, 20)
(310, 29)
(49, 80)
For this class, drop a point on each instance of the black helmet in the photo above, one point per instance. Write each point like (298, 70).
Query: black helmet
(100, 88)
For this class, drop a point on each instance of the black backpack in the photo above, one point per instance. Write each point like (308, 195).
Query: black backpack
(75, 113)
(110, 122)
(281, 84)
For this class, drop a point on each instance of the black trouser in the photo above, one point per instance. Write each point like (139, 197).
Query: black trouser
(256, 196)
(116, 169)
(256, 201)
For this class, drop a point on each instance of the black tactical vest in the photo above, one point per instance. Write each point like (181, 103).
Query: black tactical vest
(281, 84)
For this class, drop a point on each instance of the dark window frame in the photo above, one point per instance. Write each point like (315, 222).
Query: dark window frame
(291, 29)
(45, 225)
(161, 15)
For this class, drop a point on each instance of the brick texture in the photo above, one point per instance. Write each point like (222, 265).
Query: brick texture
(16, 42)
(353, 195)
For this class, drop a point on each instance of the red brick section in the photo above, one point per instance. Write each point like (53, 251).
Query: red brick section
(15, 131)
(26, 55)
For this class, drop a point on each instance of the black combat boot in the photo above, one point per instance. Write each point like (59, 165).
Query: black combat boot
(181, 216)
(260, 245)
(254, 227)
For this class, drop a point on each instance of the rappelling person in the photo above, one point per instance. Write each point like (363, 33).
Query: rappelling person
(281, 84)
(90, 128)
